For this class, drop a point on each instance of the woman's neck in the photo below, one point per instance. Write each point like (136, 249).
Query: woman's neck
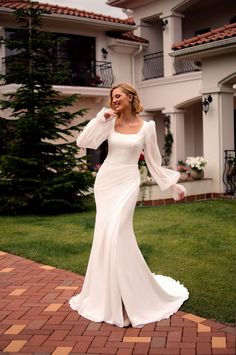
(127, 116)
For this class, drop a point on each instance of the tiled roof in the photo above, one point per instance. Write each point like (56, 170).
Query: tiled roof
(64, 10)
(227, 31)
(128, 36)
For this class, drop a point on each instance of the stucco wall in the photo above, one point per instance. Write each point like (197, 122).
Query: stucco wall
(194, 130)
(217, 69)
(153, 32)
(157, 94)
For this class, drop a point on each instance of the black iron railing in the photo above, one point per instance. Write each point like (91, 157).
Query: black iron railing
(104, 71)
(153, 66)
(95, 74)
(229, 175)
(186, 66)
(98, 75)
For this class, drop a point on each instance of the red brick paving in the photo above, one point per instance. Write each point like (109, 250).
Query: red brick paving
(35, 318)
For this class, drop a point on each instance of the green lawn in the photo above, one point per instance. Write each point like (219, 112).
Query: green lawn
(193, 242)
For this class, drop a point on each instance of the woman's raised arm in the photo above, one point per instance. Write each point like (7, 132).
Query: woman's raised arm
(96, 131)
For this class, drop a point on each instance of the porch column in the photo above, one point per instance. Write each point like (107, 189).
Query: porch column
(171, 34)
(177, 128)
(218, 134)
(146, 116)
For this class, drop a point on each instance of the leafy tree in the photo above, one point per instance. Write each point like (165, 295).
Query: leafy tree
(39, 170)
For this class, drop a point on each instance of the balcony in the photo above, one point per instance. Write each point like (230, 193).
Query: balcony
(101, 76)
(96, 74)
(153, 66)
(186, 66)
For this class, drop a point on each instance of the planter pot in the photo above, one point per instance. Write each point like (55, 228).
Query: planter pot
(197, 175)
(183, 176)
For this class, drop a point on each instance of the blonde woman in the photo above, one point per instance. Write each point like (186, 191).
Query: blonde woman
(119, 288)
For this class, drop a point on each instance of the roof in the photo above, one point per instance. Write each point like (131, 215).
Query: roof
(64, 10)
(128, 36)
(225, 32)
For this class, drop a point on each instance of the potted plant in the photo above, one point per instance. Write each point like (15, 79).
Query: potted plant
(183, 169)
(197, 165)
(95, 80)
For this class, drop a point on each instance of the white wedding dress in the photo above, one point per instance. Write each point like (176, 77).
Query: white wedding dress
(117, 276)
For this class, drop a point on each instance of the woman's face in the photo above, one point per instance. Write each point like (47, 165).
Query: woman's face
(120, 100)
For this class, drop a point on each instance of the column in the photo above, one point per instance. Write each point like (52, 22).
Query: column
(218, 134)
(177, 129)
(171, 34)
(146, 116)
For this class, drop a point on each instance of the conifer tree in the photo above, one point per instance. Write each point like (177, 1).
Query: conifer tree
(39, 170)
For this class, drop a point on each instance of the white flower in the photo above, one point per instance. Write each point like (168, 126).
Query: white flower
(196, 163)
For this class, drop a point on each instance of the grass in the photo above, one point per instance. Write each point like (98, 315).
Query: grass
(194, 243)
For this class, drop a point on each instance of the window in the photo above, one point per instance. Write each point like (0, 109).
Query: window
(79, 52)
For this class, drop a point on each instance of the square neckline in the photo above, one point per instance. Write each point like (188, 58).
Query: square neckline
(128, 134)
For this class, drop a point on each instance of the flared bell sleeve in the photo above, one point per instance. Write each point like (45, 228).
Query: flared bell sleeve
(96, 131)
(164, 177)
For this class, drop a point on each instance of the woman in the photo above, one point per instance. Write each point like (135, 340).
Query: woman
(119, 288)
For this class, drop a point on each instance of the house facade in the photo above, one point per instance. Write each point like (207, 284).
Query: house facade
(99, 49)
(176, 53)
(191, 57)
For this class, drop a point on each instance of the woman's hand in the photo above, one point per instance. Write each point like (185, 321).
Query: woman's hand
(106, 114)
(178, 192)
(110, 114)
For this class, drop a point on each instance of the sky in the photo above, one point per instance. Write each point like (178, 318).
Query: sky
(98, 6)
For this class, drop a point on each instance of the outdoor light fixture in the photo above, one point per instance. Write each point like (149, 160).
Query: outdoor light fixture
(104, 53)
(206, 103)
(163, 23)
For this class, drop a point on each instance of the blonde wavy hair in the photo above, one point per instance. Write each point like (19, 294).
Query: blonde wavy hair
(129, 90)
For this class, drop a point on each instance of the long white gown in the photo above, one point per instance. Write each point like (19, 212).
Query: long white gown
(117, 275)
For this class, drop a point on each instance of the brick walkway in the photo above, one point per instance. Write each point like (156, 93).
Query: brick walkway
(35, 319)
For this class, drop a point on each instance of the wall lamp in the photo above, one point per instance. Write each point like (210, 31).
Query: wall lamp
(104, 53)
(163, 24)
(206, 103)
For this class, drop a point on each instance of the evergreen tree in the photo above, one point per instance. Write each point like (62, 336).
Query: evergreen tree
(39, 170)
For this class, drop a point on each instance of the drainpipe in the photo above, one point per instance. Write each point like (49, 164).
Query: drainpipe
(132, 64)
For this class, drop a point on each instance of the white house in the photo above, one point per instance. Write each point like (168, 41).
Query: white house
(172, 75)
(191, 56)
(99, 48)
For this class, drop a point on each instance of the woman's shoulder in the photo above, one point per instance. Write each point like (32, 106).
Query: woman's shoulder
(149, 128)
(149, 125)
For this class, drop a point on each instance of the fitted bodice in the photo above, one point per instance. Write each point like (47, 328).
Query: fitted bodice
(125, 148)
